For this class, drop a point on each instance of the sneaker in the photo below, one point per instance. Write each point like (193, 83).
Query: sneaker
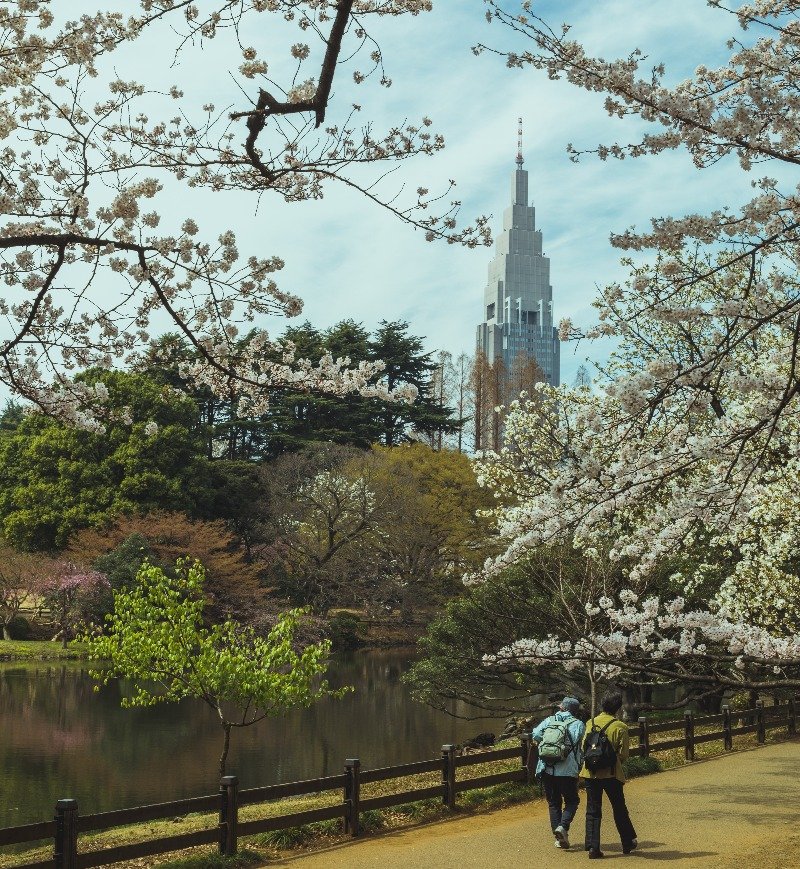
(631, 846)
(595, 854)
(562, 836)
(558, 844)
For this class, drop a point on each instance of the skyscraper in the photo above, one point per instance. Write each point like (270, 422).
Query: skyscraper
(518, 299)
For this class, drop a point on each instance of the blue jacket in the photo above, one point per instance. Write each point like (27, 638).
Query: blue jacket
(571, 764)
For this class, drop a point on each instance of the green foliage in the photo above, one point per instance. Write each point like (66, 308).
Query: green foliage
(55, 479)
(19, 628)
(41, 650)
(371, 820)
(297, 419)
(122, 564)
(420, 809)
(488, 617)
(638, 766)
(156, 638)
(433, 531)
(406, 363)
(283, 840)
(499, 795)
(346, 631)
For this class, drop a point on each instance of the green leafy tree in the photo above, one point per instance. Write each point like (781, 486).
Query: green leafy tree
(434, 526)
(56, 479)
(156, 637)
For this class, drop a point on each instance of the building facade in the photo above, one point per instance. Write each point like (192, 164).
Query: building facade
(518, 299)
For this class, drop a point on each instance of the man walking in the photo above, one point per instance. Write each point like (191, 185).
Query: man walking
(605, 747)
(559, 739)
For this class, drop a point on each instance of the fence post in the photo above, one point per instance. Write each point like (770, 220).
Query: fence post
(66, 841)
(761, 732)
(644, 737)
(727, 727)
(228, 815)
(449, 775)
(688, 728)
(792, 718)
(352, 795)
(530, 756)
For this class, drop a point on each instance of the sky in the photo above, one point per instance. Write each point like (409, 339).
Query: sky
(347, 258)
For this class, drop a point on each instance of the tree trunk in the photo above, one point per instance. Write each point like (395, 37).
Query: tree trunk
(6, 632)
(223, 758)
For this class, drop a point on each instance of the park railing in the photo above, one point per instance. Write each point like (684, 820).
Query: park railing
(67, 824)
(733, 723)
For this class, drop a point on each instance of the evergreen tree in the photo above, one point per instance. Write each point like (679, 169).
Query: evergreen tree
(297, 418)
(406, 363)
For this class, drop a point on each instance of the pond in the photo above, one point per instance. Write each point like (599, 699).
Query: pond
(59, 738)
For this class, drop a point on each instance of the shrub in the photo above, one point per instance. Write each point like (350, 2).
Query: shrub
(636, 766)
(371, 819)
(19, 628)
(346, 631)
(292, 837)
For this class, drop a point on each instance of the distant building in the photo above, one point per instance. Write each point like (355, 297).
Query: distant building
(517, 322)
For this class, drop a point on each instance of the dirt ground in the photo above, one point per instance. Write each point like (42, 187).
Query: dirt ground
(734, 812)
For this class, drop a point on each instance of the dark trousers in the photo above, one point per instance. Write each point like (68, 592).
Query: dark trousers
(594, 810)
(561, 792)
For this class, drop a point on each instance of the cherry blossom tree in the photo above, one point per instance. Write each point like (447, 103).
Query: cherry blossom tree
(70, 594)
(701, 404)
(693, 432)
(85, 254)
(665, 641)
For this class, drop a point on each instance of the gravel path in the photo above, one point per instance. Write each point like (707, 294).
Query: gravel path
(739, 811)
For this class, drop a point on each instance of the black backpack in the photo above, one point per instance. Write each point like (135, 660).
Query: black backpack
(598, 752)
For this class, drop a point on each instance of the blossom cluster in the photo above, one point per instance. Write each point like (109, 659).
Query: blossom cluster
(661, 637)
(87, 259)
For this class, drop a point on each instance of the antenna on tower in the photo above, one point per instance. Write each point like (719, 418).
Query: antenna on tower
(519, 144)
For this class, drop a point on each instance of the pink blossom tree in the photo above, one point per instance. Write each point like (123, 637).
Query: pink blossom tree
(71, 595)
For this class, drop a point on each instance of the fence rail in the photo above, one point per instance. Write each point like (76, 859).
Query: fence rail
(64, 828)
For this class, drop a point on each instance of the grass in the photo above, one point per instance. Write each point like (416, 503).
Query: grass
(40, 650)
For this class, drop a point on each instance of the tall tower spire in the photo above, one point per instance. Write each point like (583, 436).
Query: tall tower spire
(517, 326)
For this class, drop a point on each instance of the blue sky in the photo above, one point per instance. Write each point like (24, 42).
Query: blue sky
(347, 258)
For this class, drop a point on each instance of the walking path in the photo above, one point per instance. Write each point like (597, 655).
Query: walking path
(738, 811)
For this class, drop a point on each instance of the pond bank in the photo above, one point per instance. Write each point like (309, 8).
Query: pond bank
(41, 650)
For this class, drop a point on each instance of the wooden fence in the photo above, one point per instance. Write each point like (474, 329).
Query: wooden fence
(67, 823)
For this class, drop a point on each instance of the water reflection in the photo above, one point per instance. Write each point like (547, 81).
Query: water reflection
(59, 738)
